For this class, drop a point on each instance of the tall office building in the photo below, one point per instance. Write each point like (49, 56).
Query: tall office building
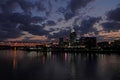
(72, 37)
(88, 42)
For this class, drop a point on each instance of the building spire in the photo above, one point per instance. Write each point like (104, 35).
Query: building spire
(72, 30)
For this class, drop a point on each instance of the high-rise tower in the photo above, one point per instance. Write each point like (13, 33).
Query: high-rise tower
(72, 36)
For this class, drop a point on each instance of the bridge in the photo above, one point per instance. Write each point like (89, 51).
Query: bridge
(21, 44)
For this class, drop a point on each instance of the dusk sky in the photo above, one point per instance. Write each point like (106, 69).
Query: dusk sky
(31, 20)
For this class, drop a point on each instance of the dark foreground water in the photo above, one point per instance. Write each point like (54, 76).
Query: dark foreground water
(21, 65)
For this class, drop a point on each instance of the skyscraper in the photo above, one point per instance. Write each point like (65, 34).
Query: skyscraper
(72, 37)
(89, 42)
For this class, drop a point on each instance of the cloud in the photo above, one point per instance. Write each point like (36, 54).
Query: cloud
(9, 5)
(61, 10)
(37, 19)
(84, 28)
(61, 33)
(9, 27)
(50, 23)
(87, 25)
(34, 29)
(61, 25)
(54, 18)
(71, 10)
(68, 15)
(9, 30)
(25, 5)
(113, 20)
(40, 6)
(28, 37)
(114, 14)
(19, 18)
(77, 4)
(24, 18)
(111, 26)
(103, 35)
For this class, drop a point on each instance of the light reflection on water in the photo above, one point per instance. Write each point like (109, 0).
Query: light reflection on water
(22, 65)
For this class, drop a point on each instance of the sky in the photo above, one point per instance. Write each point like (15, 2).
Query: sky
(43, 20)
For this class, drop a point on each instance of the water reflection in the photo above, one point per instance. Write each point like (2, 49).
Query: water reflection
(21, 65)
(14, 59)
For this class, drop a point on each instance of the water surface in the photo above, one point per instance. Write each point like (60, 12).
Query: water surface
(22, 65)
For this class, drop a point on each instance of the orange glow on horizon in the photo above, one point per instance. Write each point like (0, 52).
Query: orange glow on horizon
(29, 36)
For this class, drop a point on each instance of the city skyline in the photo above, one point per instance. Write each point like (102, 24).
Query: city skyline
(42, 20)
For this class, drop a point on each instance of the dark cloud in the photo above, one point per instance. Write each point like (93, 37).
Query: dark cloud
(37, 19)
(44, 6)
(40, 6)
(6, 6)
(50, 7)
(10, 20)
(77, 4)
(72, 8)
(27, 22)
(87, 25)
(9, 30)
(113, 18)
(19, 18)
(26, 6)
(8, 26)
(111, 26)
(34, 29)
(50, 23)
(114, 14)
(61, 33)
(3, 17)
(68, 15)
(61, 10)
(12, 25)
(9, 5)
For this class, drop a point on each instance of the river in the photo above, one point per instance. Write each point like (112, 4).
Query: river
(24, 65)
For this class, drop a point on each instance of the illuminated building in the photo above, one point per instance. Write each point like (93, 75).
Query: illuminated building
(72, 37)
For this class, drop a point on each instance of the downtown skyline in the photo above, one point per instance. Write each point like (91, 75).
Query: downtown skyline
(33, 20)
